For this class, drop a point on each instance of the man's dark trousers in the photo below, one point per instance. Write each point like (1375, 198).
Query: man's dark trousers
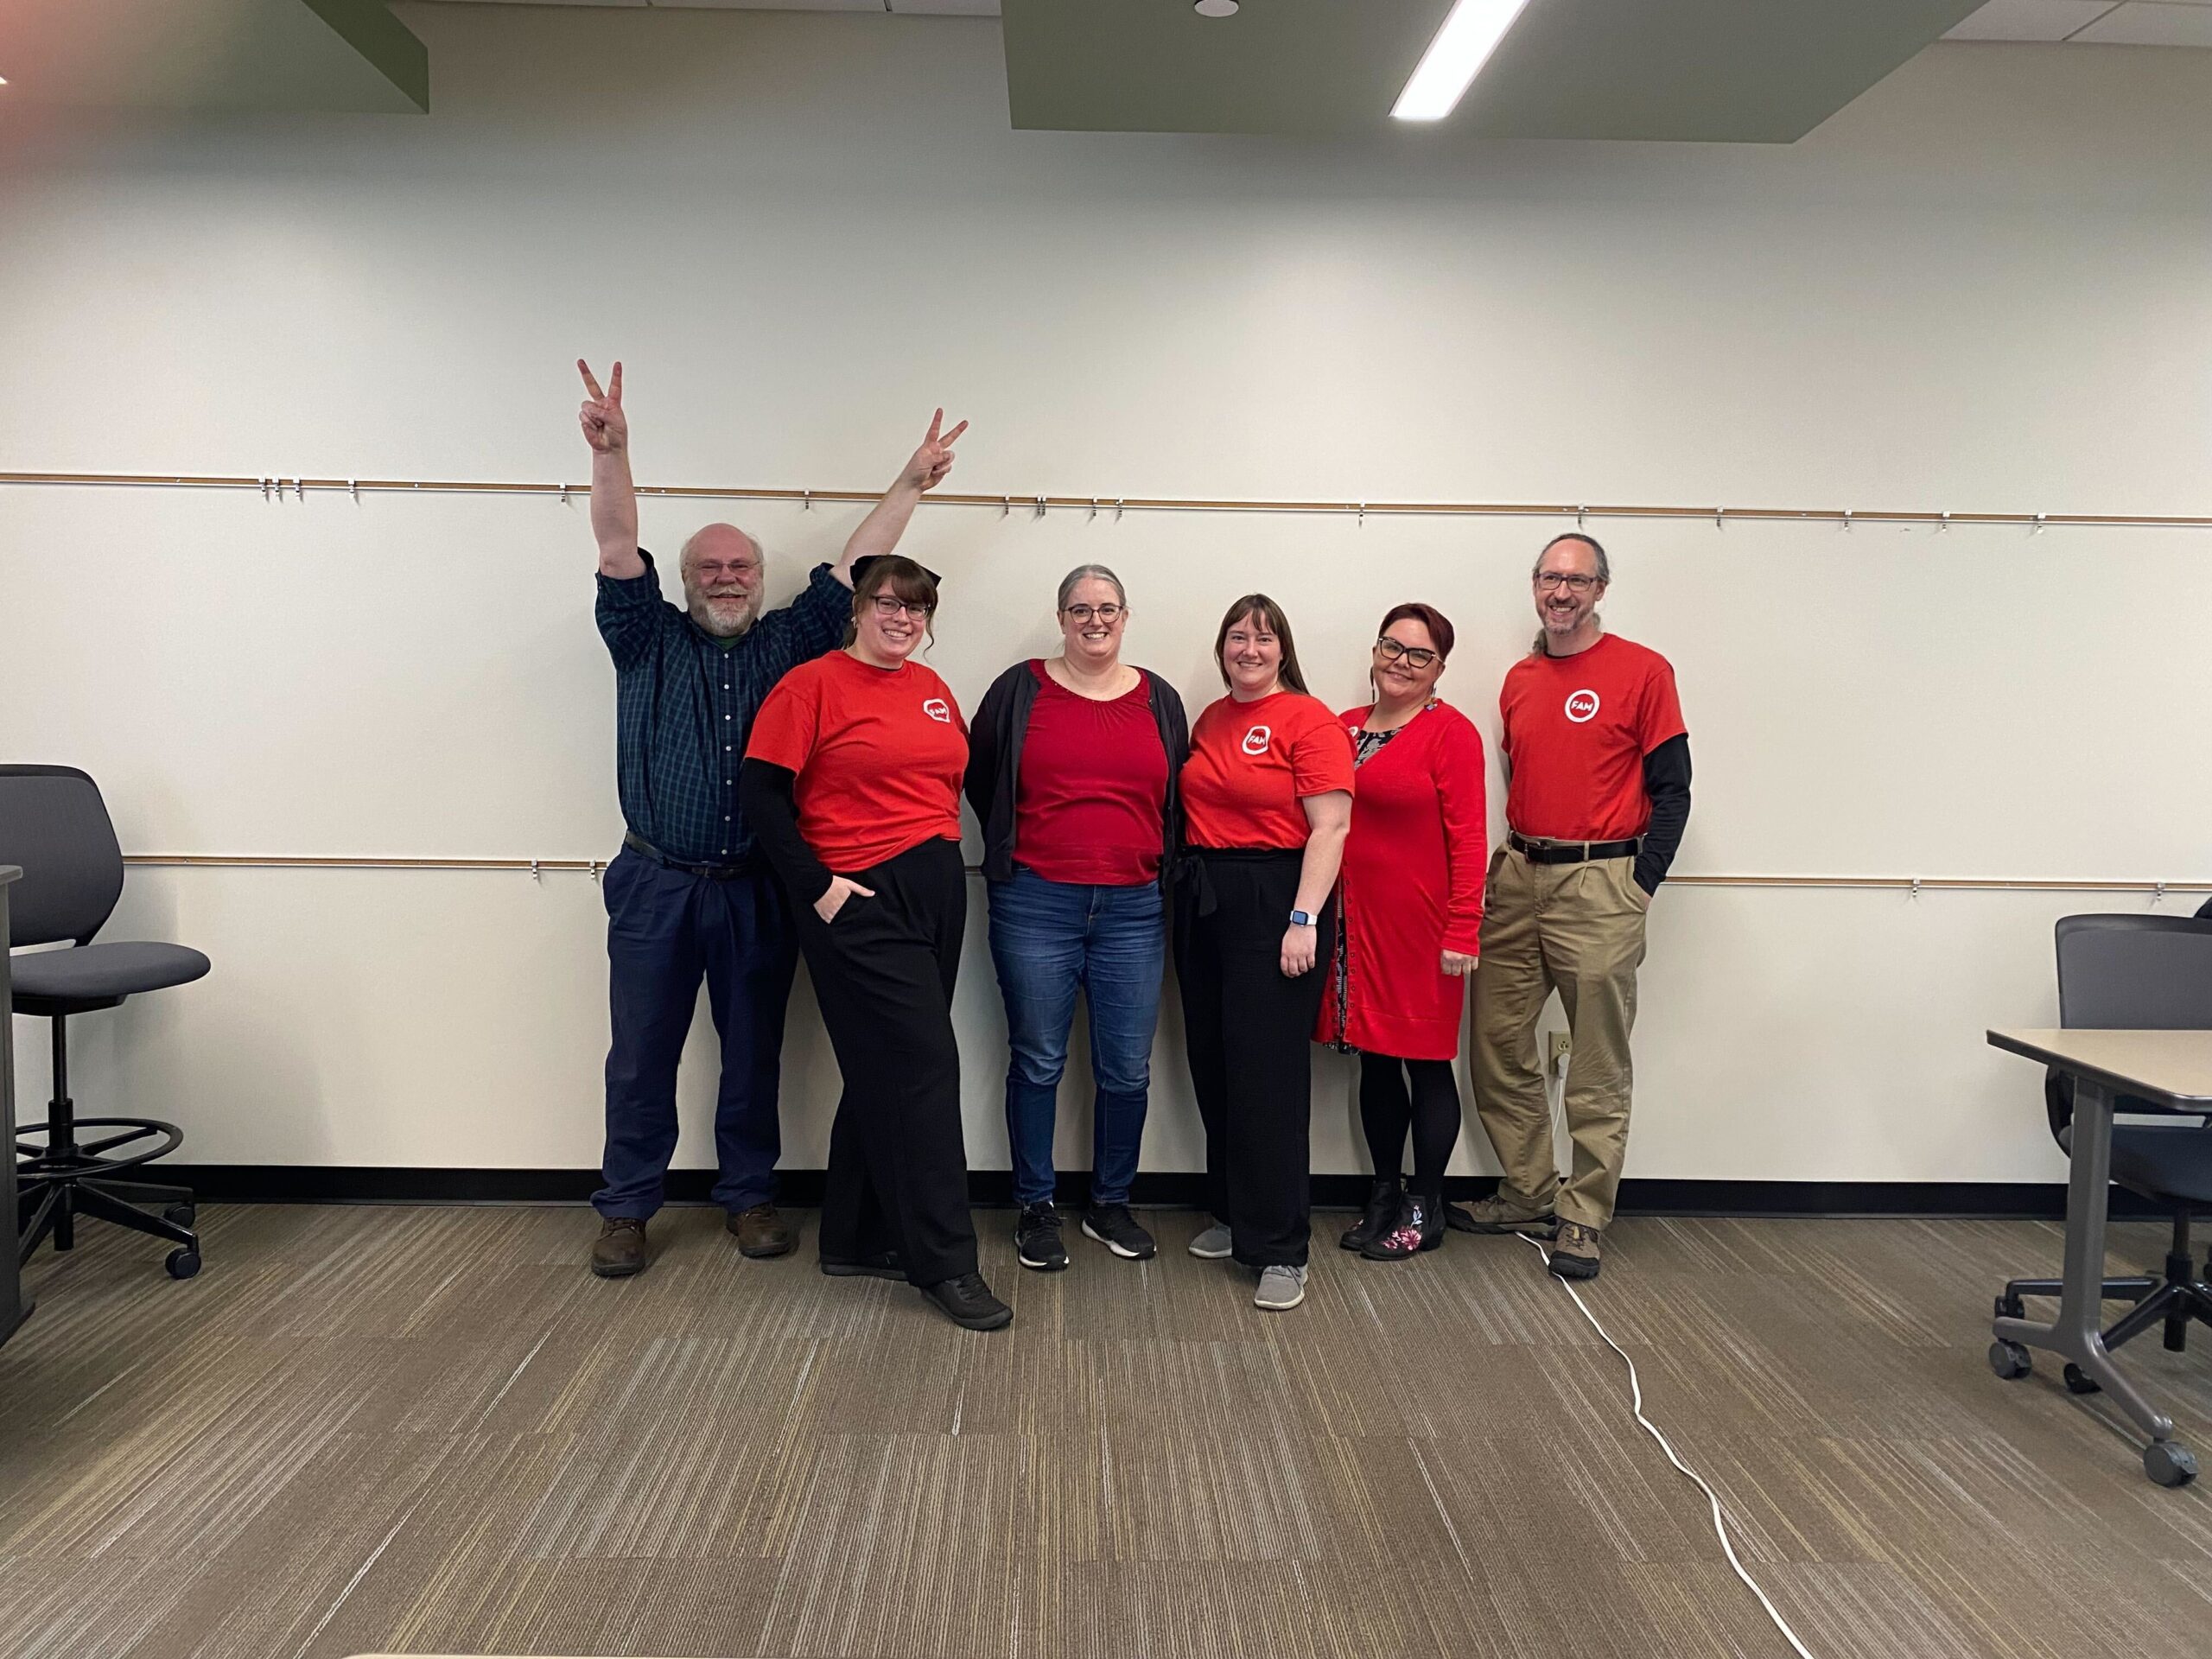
(667, 928)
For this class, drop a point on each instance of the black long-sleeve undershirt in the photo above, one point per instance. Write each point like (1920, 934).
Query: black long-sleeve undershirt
(763, 795)
(1667, 781)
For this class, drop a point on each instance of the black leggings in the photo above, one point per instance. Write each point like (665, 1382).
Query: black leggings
(883, 972)
(1249, 1032)
(1432, 1110)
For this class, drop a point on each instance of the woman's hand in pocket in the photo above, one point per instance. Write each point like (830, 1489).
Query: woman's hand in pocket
(833, 898)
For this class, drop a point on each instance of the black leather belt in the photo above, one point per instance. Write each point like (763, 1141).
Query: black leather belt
(1571, 851)
(637, 843)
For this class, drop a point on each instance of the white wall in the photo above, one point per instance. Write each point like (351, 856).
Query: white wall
(1985, 286)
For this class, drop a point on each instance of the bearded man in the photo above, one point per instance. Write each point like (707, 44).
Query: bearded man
(688, 896)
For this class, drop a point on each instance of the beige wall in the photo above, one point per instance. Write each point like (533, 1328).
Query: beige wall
(1987, 286)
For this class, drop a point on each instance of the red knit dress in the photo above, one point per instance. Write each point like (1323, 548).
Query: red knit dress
(1411, 888)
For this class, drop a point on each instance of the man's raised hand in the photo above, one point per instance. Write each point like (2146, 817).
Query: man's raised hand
(934, 458)
(606, 428)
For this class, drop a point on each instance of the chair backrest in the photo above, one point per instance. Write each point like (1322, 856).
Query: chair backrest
(2135, 973)
(54, 824)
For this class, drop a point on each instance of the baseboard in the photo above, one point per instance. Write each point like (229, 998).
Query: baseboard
(321, 1184)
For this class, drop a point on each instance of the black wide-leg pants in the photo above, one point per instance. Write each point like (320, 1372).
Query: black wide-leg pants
(1247, 1028)
(883, 973)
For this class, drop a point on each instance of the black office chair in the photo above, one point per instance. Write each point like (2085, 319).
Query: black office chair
(54, 824)
(2139, 973)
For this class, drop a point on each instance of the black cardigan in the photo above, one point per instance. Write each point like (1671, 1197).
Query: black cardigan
(995, 738)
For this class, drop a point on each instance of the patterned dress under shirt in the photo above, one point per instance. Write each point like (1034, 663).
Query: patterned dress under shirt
(1365, 747)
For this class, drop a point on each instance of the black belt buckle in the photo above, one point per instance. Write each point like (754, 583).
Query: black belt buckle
(1572, 852)
(637, 843)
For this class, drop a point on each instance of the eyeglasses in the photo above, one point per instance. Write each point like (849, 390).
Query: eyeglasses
(889, 604)
(1552, 581)
(1413, 656)
(1108, 614)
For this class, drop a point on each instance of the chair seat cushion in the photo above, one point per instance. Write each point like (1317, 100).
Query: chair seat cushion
(2160, 1160)
(100, 973)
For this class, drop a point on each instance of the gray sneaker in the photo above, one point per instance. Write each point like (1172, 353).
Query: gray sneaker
(1211, 1245)
(1280, 1289)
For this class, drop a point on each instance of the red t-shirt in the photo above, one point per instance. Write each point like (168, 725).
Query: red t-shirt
(1577, 730)
(1092, 786)
(879, 754)
(1250, 765)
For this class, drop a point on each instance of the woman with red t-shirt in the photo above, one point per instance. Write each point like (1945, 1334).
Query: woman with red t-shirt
(1267, 800)
(1411, 897)
(852, 786)
(1072, 768)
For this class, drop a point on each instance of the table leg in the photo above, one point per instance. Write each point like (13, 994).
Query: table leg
(2075, 1332)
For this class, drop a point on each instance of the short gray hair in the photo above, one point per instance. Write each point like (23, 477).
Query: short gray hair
(683, 553)
(1089, 572)
(1604, 564)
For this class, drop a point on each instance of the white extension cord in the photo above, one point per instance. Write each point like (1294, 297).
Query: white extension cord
(1636, 1405)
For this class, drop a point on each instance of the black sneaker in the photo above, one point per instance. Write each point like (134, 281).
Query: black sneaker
(886, 1265)
(1112, 1225)
(967, 1301)
(1037, 1239)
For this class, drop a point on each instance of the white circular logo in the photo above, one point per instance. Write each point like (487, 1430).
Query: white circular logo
(1581, 706)
(1256, 740)
(935, 710)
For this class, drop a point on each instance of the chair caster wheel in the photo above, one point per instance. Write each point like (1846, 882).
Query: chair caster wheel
(182, 1263)
(2079, 1382)
(179, 1215)
(2168, 1463)
(2009, 1360)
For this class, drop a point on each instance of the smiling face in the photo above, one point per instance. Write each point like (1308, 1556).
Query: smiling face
(1251, 656)
(722, 570)
(1092, 622)
(1568, 588)
(891, 616)
(1411, 676)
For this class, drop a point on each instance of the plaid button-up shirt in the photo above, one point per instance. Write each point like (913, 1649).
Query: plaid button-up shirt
(684, 705)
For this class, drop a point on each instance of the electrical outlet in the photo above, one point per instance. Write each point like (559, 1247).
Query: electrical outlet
(1555, 1054)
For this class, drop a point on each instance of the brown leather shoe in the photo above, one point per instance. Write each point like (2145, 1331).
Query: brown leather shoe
(621, 1248)
(760, 1231)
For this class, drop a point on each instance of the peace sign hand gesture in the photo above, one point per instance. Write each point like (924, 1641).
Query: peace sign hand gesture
(927, 470)
(606, 428)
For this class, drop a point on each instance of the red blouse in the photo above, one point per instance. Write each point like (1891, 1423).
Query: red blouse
(1091, 786)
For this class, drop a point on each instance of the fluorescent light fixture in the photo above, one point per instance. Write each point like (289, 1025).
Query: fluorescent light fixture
(1215, 8)
(1469, 35)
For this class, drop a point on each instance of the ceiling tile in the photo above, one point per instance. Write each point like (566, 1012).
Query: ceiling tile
(960, 8)
(2141, 22)
(2030, 19)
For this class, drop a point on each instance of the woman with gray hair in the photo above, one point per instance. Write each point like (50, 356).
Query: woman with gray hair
(1073, 768)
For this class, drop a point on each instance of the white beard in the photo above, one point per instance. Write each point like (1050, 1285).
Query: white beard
(725, 627)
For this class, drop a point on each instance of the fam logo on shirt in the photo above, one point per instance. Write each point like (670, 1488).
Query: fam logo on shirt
(935, 710)
(1581, 706)
(1256, 740)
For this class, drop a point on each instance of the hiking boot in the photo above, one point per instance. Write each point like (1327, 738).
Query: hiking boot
(886, 1265)
(967, 1300)
(1281, 1289)
(1213, 1244)
(1112, 1225)
(760, 1231)
(1037, 1239)
(1499, 1214)
(1574, 1252)
(1419, 1227)
(619, 1250)
(1380, 1215)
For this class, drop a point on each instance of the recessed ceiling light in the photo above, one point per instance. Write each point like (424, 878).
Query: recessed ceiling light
(1469, 35)
(1215, 8)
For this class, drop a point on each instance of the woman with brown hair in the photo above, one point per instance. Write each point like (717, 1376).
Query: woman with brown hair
(1267, 800)
(852, 784)
(1411, 898)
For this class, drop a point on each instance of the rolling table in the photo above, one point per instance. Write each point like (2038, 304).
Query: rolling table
(2172, 1071)
(13, 1307)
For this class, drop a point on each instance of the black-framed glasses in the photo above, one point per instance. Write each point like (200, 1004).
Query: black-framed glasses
(1108, 614)
(1552, 581)
(1412, 656)
(890, 605)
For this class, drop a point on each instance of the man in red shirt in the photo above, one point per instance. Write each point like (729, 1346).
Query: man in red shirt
(1598, 764)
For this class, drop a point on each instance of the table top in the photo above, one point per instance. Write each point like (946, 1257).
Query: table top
(2174, 1066)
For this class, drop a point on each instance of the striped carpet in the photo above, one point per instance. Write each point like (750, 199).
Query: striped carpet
(431, 1431)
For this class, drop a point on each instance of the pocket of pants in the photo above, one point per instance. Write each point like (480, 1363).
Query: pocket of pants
(1631, 889)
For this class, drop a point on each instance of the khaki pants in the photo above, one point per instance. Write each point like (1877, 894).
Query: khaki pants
(1577, 929)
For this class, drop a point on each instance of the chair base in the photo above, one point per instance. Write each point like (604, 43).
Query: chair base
(2173, 1299)
(57, 1184)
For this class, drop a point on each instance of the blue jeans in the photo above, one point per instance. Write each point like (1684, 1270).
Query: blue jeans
(665, 929)
(1047, 940)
